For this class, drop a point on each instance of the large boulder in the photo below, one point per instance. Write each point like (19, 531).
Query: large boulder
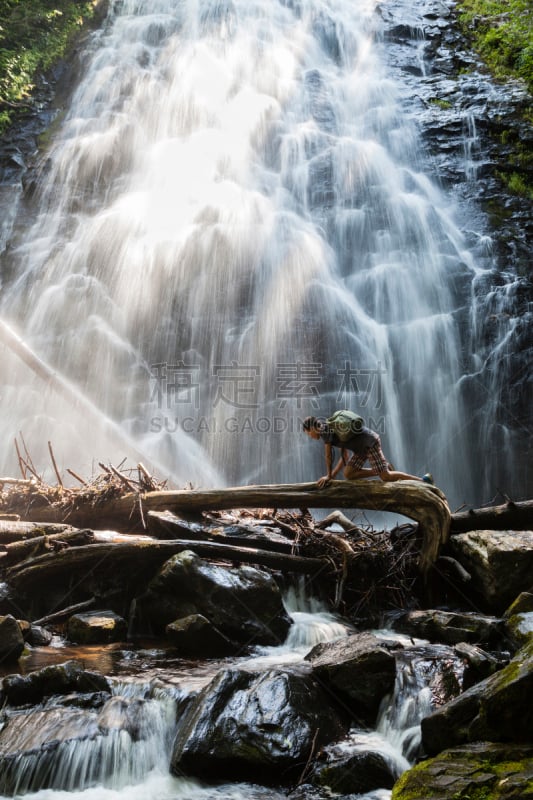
(500, 562)
(11, 639)
(480, 770)
(243, 603)
(449, 627)
(260, 726)
(495, 710)
(360, 668)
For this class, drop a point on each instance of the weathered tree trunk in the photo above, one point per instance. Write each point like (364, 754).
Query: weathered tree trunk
(16, 531)
(41, 570)
(422, 502)
(508, 516)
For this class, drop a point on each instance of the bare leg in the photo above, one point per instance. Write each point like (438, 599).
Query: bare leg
(352, 474)
(394, 475)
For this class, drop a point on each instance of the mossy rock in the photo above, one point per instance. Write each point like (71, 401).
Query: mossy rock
(480, 771)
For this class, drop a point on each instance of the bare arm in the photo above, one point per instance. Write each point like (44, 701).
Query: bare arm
(329, 461)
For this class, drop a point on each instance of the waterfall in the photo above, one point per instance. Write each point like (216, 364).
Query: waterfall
(230, 231)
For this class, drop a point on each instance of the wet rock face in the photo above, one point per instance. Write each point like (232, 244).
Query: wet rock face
(476, 131)
(244, 604)
(359, 668)
(495, 771)
(255, 726)
(493, 710)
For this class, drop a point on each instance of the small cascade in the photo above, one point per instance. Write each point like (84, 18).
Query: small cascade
(312, 622)
(68, 749)
(426, 676)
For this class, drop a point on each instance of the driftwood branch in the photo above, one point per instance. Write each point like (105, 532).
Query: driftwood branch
(65, 612)
(17, 531)
(36, 546)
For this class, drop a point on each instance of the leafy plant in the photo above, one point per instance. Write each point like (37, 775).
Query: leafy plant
(502, 33)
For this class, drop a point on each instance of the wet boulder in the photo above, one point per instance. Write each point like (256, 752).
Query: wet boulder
(38, 636)
(260, 726)
(354, 766)
(482, 769)
(195, 637)
(495, 710)
(360, 668)
(11, 639)
(96, 627)
(243, 603)
(54, 679)
(449, 627)
(500, 562)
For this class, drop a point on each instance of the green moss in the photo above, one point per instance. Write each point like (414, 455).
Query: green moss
(34, 36)
(502, 32)
(517, 184)
(444, 104)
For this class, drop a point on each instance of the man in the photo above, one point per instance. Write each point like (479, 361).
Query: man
(365, 445)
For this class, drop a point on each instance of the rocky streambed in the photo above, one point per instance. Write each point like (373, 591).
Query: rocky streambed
(253, 690)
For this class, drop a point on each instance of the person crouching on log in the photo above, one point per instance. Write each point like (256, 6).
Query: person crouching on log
(363, 443)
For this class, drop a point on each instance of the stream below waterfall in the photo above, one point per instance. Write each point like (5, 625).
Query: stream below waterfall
(121, 766)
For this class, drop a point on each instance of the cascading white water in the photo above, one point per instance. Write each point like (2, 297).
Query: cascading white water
(231, 232)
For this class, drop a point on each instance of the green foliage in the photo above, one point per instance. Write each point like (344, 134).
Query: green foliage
(518, 184)
(34, 34)
(502, 32)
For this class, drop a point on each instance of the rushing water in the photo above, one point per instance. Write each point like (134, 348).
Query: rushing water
(232, 230)
(132, 759)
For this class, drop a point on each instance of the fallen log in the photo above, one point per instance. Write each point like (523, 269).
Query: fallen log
(422, 502)
(509, 516)
(36, 546)
(146, 555)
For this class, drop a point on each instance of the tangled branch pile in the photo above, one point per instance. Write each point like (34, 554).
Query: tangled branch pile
(20, 496)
